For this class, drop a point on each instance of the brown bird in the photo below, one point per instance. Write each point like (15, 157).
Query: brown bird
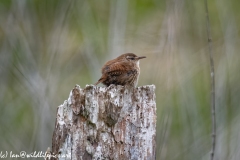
(123, 70)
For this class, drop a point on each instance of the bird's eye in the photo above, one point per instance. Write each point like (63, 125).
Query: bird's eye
(131, 58)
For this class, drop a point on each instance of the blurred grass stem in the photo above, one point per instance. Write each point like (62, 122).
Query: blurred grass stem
(212, 81)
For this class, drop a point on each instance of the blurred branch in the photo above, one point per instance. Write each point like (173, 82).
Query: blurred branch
(212, 81)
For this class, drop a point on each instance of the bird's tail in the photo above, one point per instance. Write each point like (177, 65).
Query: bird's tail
(99, 81)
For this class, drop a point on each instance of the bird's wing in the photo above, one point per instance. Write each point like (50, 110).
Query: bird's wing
(115, 69)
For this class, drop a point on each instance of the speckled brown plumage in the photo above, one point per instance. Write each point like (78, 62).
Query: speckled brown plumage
(123, 70)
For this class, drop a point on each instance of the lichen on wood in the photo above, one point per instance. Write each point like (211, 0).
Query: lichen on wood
(116, 122)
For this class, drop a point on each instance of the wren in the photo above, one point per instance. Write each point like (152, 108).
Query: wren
(123, 70)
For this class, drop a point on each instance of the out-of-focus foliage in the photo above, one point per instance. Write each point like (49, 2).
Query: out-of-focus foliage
(48, 46)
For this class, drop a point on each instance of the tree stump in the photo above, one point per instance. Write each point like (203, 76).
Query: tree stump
(98, 123)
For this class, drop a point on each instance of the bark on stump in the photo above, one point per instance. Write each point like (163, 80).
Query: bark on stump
(106, 123)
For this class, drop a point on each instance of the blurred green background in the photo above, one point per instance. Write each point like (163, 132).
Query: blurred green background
(48, 46)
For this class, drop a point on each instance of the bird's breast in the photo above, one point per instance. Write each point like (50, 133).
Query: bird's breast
(138, 64)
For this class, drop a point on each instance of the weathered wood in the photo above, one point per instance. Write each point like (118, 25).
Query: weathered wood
(106, 123)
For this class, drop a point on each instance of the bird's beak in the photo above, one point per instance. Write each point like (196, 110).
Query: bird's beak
(141, 57)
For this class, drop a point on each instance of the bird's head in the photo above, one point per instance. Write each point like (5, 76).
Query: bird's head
(131, 57)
